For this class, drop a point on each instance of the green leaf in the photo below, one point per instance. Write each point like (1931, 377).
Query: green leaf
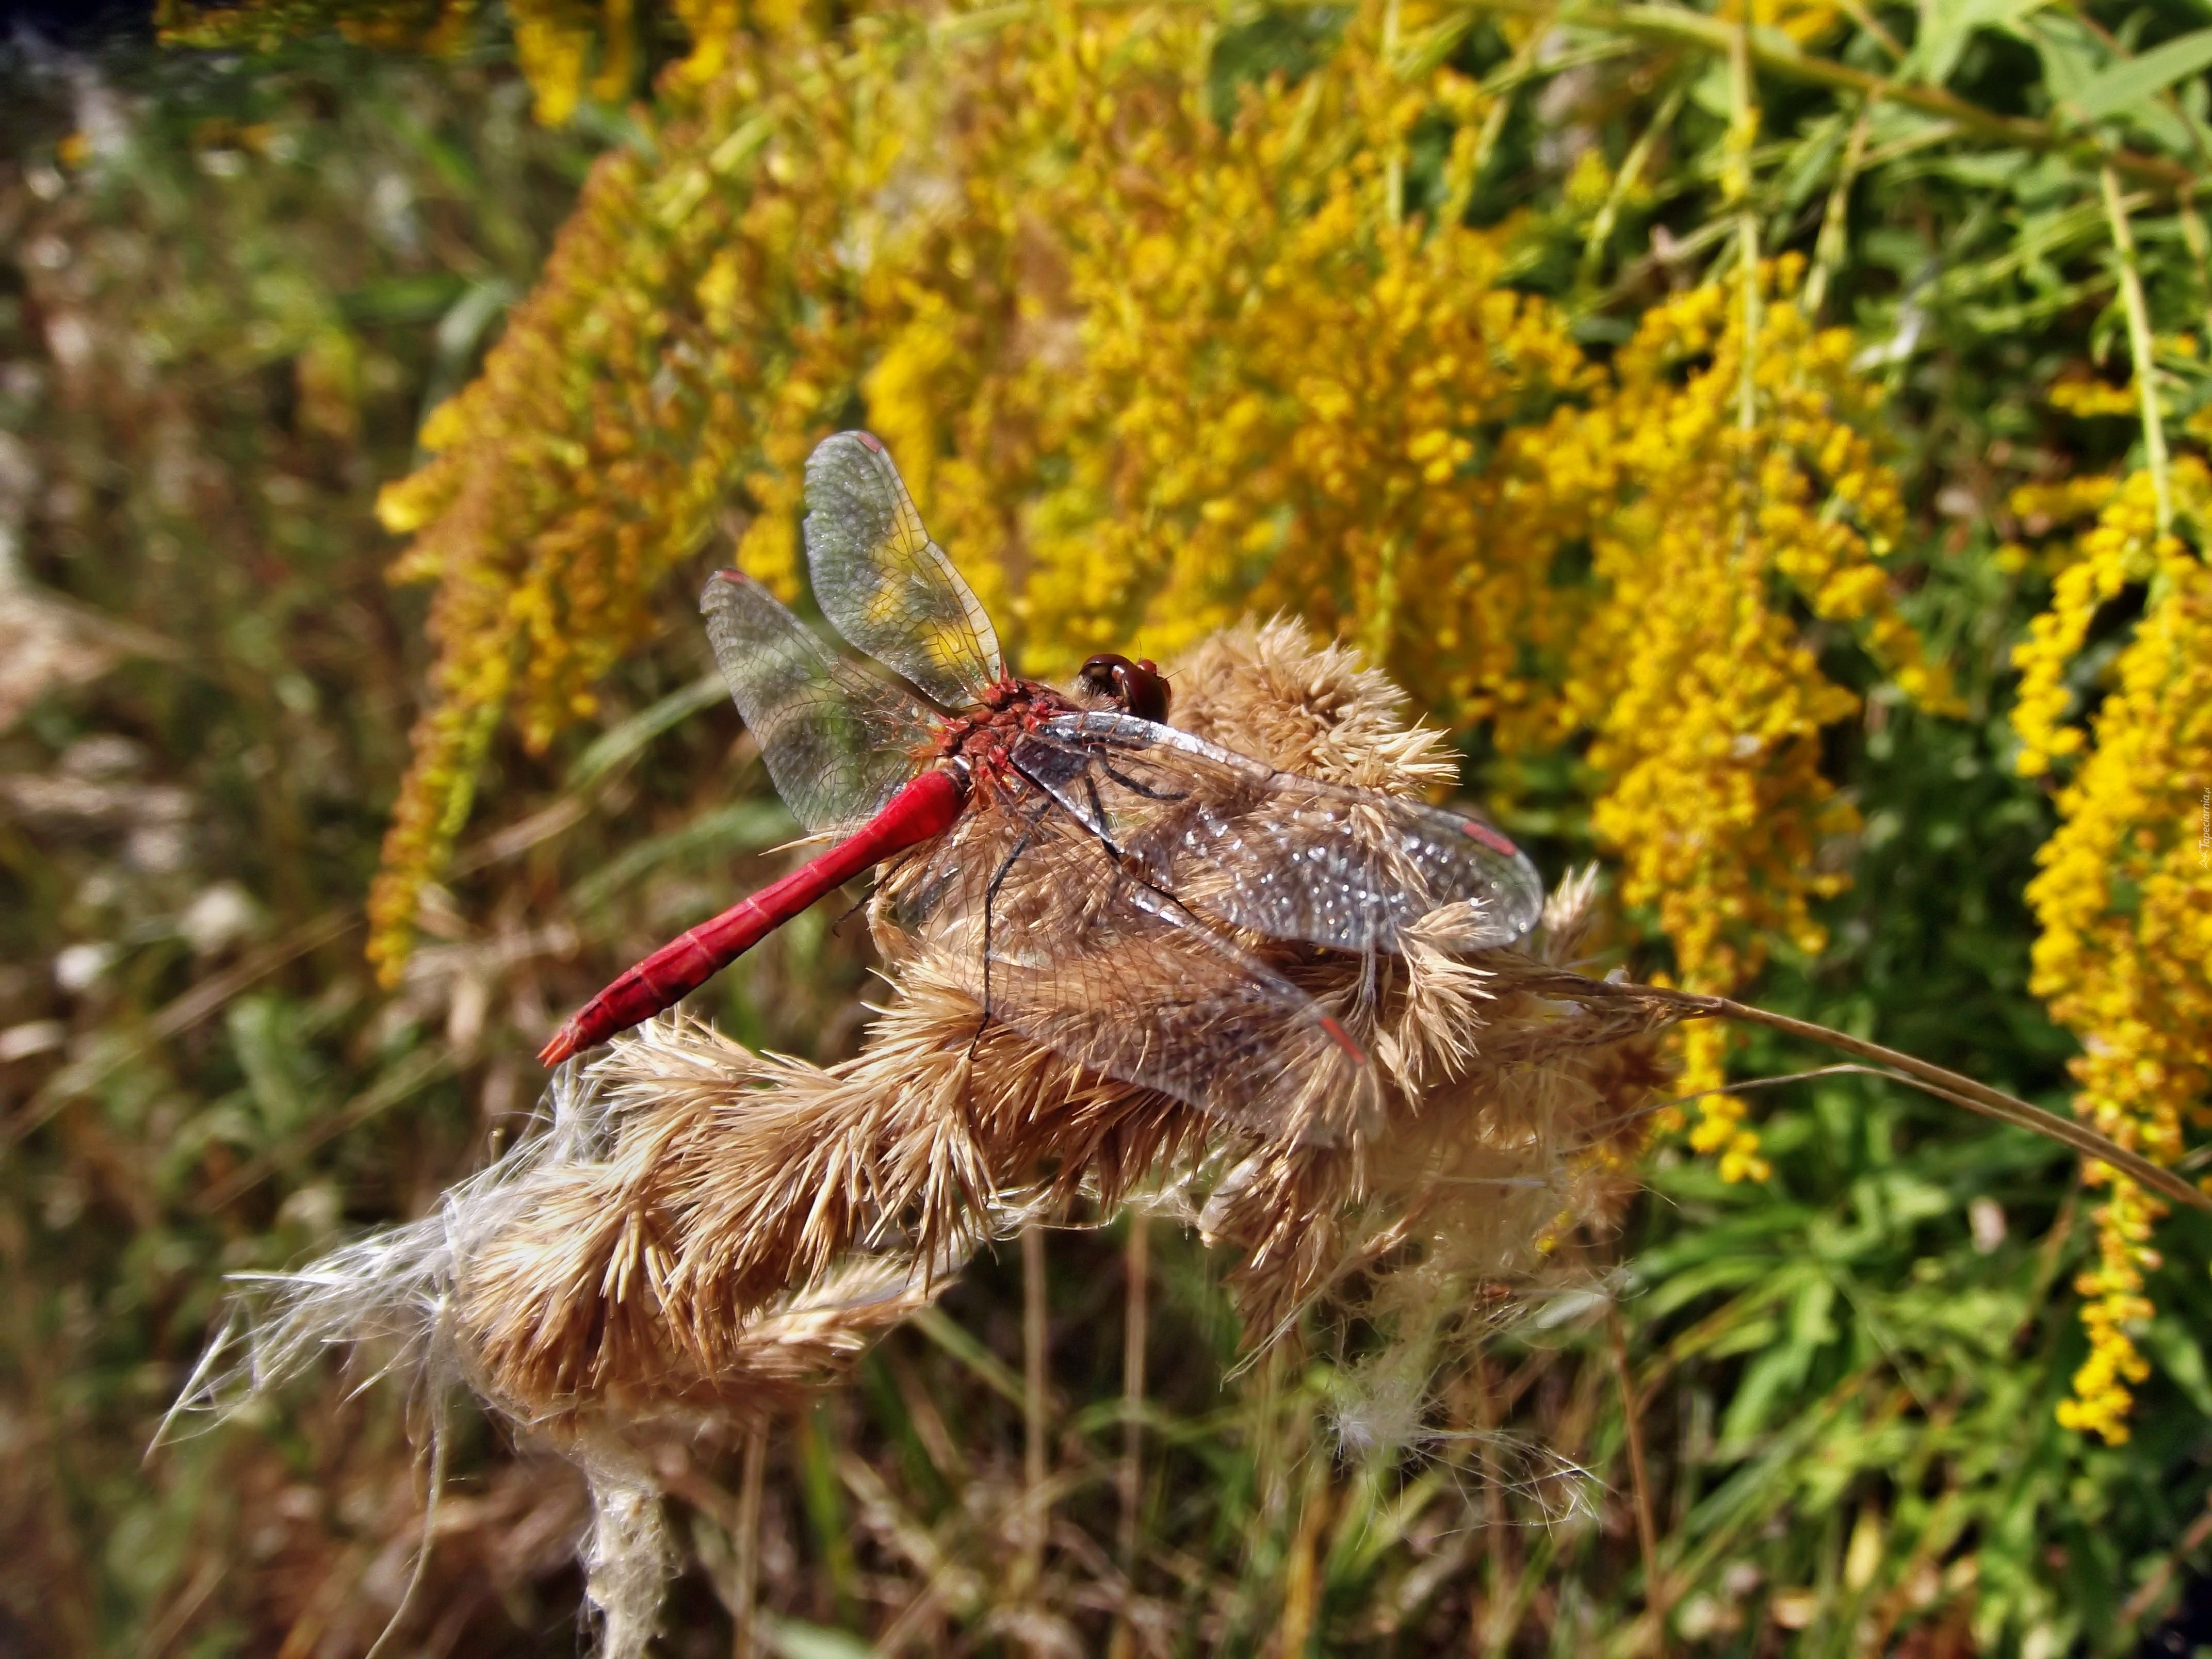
(405, 299)
(619, 743)
(2182, 1359)
(941, 1328)
(2073, 58)
(1946, 26)
(744, 826)
(2119, 87)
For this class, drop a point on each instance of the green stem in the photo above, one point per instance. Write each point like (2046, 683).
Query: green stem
(2193, 224)
(1493, 120)
(2139, 346)
(1394, 174)
(1743, 123)
(1828, 248)
(1632, 169)
(2200, 251)
(1777, 54)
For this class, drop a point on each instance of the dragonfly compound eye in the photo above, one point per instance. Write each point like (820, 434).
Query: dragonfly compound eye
(1138, 687)
(1101, 675)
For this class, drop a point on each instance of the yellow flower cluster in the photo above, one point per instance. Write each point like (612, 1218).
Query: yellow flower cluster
(563, 47)
(1705, 701)
(429, 26)
(556, 42)
(2087, 397)
(1287, 417)
(567, 48)
(1147, 370)
(590, 454)
(2125, 896)
(1802, 20)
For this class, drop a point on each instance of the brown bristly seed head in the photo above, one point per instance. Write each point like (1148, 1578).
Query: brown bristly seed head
(729, 1180)
(1268, 689)
(705, 1235)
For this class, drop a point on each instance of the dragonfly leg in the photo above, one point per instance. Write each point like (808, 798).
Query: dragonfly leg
(1132, 785)
(1098, 814)
(991, 900)
(1124, 871)
(1097, 831)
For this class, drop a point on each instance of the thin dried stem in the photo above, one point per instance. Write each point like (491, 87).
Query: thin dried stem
(744, 1638)
(1959, 1091)
(1136, 1319)
(2147, 1593)
(1647, 1527)
(1302, 1573)
(440, 1442)
(1610, 1009)
(1491, 1631)
(1857, 12)
(1034, 1316)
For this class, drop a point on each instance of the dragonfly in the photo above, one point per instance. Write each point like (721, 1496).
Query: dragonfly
(1130, 896)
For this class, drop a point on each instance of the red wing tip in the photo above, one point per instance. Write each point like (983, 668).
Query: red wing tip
(730, 574)
(1490, 838)
(872, 440)
(1343, 1039)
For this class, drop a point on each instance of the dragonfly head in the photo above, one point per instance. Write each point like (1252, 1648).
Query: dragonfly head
(1138, 687)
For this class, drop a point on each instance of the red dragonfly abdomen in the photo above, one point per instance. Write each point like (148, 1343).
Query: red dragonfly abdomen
(924, 808)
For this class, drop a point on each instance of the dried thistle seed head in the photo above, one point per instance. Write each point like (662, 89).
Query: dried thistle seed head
(1268, 689)
(704, 1234)
(691, 1190)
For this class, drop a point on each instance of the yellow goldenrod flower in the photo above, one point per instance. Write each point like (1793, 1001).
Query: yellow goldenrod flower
(1147, 371)
(2125, 896)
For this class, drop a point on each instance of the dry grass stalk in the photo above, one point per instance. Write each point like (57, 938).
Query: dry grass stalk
(706, 1234)
(703, 1233)
(633, 1281)
(1136, 1329)
(1036, 1518)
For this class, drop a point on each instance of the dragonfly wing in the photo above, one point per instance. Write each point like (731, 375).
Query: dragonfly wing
(1128, 983)
(883, 584)
(838, 742)
(1287, 856)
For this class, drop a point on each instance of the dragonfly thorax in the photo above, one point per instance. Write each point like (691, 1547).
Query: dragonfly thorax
(977, 743)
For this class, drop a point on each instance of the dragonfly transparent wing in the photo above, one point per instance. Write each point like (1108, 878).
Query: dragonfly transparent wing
(838, 741)
(1289, 857)
(1085, 961)
(883, 584)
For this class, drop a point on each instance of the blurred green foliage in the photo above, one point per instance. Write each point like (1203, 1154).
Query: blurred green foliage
(230, 287)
